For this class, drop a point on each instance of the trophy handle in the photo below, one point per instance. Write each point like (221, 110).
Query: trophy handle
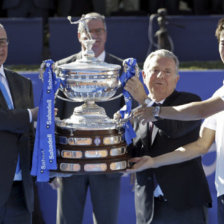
(114, 98)
(68, 100)
(62, 98)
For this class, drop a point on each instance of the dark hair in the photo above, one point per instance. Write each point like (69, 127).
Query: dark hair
(219, 29)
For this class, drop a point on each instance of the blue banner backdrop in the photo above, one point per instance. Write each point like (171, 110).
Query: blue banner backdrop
(203, 83)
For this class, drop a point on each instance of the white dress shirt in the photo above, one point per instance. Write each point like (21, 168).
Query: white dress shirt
(216, 123)
(102, 56)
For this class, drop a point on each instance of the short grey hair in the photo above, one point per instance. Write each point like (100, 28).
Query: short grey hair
(1, 26)
(91, 16)
(162, 53)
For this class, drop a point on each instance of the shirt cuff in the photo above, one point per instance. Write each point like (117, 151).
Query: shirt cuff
(30, 115)
(222, 97)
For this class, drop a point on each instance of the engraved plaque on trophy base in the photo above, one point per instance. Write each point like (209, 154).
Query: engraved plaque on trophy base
(87, 151)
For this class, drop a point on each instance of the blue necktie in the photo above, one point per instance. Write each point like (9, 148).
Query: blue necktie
(5, 93)
(10, 106)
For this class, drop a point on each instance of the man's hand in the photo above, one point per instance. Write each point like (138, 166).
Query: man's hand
(136, 89)
(140, 163)
(34, 112)
(117, 116)
(55, 111)
(144, 114)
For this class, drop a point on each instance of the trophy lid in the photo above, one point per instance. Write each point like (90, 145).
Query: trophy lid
(90, 65)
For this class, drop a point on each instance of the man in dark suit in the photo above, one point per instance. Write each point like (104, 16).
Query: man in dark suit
(171, 194)
(16, 188)
(104, 188)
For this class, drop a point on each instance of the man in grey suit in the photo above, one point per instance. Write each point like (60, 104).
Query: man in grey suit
(16, 188)
(104, 188)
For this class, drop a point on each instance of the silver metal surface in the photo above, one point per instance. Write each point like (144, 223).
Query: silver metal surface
(97, 167)
(96, 153)
(89, 81)
(111, 140)
(68, 154)
(118, 151)
(73, 167)
(118, 165)
(74, 141)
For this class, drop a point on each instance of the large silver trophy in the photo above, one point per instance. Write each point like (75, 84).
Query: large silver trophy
(89, 141)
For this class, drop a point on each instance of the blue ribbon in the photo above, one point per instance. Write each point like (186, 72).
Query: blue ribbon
(44, 155)
(130, 64)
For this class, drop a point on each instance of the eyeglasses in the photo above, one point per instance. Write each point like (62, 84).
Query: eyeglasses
(4, 42)
(98, 31)
(157, 71)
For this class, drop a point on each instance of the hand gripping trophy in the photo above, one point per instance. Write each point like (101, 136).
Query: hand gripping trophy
(89, 141)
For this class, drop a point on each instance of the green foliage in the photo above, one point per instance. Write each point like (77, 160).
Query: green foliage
(25, 68)
(201, 65)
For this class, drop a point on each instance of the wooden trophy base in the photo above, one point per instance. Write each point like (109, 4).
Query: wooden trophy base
(90, 151)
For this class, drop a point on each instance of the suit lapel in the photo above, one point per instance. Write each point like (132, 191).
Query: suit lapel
(107, 58)
(3, 103)
(154, 133)
(168, 101)
(142, 132)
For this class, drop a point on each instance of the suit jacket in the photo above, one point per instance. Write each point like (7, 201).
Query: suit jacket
(110, 106)
(15, 133)
(184, 185)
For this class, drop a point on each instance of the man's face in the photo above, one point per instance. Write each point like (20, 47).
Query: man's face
(161, 77)
(3, 46)
(221, 45)
(98, 33)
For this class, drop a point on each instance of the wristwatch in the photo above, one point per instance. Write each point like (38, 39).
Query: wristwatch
(155, 112)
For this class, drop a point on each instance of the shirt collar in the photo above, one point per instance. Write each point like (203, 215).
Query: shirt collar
(160, 102)
(102, 56)
(2, 70)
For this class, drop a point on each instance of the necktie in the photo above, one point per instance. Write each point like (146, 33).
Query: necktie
(10, 106)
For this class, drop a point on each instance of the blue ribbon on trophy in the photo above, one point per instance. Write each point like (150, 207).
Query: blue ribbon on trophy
(130, 69)
(44, 155)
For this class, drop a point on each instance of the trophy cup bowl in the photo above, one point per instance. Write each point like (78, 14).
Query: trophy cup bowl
(89, 81)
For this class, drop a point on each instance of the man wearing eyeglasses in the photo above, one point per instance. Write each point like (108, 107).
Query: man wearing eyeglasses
(16, 187)
(104, 188)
